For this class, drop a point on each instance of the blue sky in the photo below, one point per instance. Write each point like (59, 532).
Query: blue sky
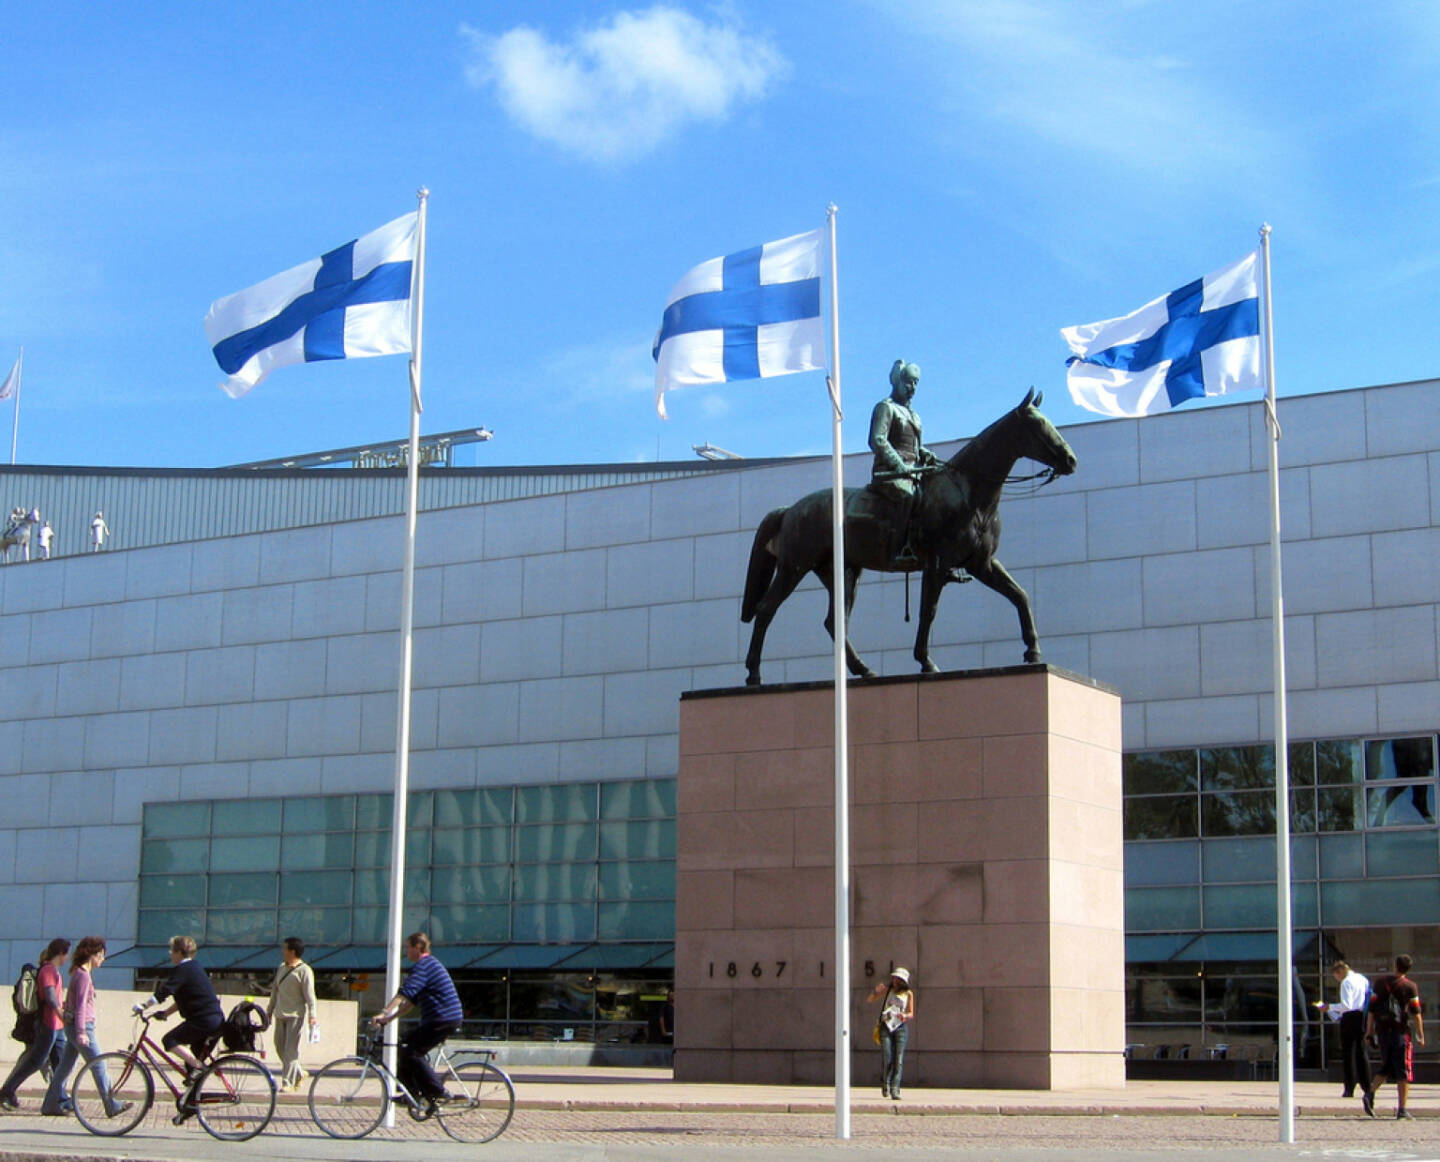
(1002, 168)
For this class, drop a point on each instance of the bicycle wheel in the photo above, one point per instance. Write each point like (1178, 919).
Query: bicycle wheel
(482, 1102)
(235, 1098)
(112, 1082)
(349, 1097)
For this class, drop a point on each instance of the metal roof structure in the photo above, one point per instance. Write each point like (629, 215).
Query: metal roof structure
(160, 506)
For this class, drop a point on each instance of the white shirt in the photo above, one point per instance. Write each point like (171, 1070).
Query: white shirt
(1354, 995)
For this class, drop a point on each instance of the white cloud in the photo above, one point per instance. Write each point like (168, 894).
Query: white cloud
(617, 90)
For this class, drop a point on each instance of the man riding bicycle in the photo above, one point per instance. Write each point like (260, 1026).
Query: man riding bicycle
(428, 987)
(194, 995)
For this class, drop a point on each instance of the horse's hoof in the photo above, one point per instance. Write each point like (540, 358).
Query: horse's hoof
(1032, 655)
(752, 680)
(867, 672)
(929, 667)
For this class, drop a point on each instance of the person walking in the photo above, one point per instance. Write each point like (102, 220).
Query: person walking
(99, 530)
(1394, 1008)
(429, 987)
(1350, 1013)
(80, 1032)
(897, 1010)
(292, 1007)
(49, 1027)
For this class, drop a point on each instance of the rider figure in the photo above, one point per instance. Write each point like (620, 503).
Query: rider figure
(429, 986)
(900, 459)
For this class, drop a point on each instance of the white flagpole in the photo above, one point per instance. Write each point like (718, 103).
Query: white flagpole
(1285, 967)
(407, 645)
(15, 429)
(842, 745)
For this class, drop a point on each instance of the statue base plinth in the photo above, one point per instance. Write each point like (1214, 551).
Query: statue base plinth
(986, 848)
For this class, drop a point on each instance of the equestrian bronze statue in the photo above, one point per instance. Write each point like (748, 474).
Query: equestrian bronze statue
(951, 528)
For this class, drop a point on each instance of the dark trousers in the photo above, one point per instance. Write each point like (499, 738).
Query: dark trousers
(1354, 1060)
(33, 1059)
(412, 1064)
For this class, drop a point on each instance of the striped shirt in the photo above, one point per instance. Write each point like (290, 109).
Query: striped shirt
(429, 986)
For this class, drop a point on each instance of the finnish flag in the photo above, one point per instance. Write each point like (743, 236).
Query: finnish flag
(748, 315)
(1201, 340)
(352, 302)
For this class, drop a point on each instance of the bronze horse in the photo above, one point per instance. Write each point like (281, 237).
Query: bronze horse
(957, 527)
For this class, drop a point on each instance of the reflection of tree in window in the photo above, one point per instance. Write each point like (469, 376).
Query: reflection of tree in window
(1401, 759)
(1338, 761)
(1237, 768)
(1160, 817)
(1239, 813)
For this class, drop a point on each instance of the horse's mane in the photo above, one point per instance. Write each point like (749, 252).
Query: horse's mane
(976, 457)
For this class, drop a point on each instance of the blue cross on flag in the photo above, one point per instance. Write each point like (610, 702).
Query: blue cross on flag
(352, 302)
(1201, 340)
(748, 315)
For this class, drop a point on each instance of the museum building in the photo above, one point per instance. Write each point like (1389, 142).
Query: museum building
(197, 727)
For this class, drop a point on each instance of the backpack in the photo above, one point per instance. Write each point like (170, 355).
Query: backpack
(25, 997)
(246, 1021)
(25, 1000)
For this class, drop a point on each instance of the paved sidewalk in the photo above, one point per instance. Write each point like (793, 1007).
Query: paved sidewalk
(597, 1113)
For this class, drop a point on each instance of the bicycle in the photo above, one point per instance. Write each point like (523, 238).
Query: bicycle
(233, 1096)
(351, 1096)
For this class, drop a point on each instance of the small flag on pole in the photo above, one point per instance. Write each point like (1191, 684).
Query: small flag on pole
(749, 315)
(351, 302)
(1201, 340)
(12, 381)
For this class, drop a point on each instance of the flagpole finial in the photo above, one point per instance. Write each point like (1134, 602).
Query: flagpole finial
(422, 193)
(1264, 229)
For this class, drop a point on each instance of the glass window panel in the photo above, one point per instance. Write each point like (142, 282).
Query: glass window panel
(157, 926)
(552, 923)
(255, 890)
(332, 849)
(1239, 860)
(1302, 810)
(1238, 813)
(1164, 1001)
(316, 926)
(243, 926)
(1338, 808)
(475, 807)
(420, 810)
(176, 820)
(372, 887)
(246, 817)
(172, 891)
(1401, 805)
(646, 799)
(1368, 903)
(634, 879)
(1240, 906)
(1301, 759)
(417, 887)
(417, 847)
(652, 840)
(367, 926)
(471, 845)
(1161, 909)
(1229, 768)
(1304, 905)
(458, 885)
(456, 923)
(320, 813)
(247, 853)
(374, 812)
(1342, 857)
(625, 920)
(560, 998)
(1304, 858)
(1162, 817)
(319, 888)
(175, 855)
(1402, 853)
(555, 842)
(1337, 760)
(551, 803)
(1400, 758)
(372, 849)
(555, 881)
(1159, 772)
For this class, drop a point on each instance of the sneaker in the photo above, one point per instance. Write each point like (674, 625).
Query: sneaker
(885, 1093)
(894, 1095)
(1404, 1116)
(9, 1103)
(1368, 1101)
(120, 1108)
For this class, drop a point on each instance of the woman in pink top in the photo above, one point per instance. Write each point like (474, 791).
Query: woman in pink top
(80, 1030)
(49, 1027)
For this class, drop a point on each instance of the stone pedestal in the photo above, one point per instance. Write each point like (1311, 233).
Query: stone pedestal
(986, 852)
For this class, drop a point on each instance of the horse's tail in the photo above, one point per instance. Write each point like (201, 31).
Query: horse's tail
(762, 563)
